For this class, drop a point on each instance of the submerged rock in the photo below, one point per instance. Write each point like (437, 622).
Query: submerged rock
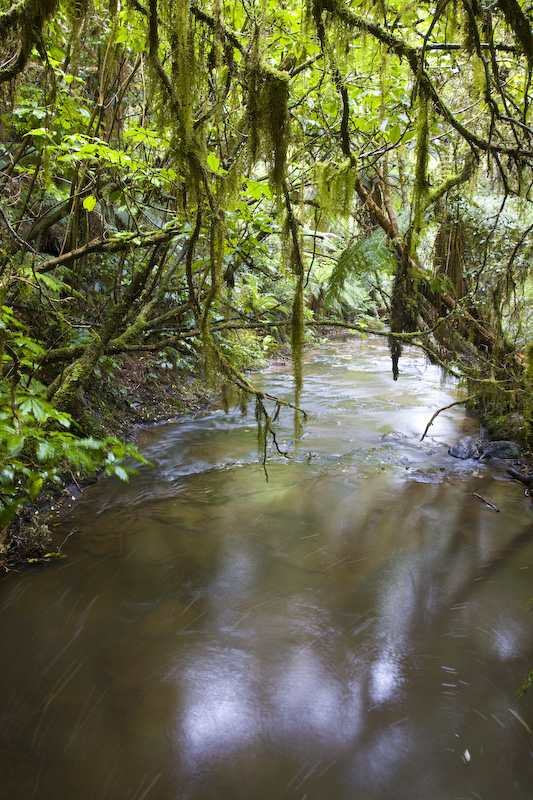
(467, 447)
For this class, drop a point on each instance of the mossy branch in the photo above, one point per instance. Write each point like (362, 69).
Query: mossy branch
(413, 56)
(519, 23)
(24, 20)
(109, 246)
(454, 180)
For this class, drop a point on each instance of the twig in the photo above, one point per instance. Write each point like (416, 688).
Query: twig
(444, 408)
(487, 502)
(14, 234)
(78, 487)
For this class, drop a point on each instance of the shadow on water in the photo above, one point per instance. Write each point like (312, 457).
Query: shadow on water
(354, 628)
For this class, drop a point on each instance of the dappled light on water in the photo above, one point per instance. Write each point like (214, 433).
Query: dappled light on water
(355, 627)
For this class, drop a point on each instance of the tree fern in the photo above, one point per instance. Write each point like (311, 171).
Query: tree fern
(364, 258)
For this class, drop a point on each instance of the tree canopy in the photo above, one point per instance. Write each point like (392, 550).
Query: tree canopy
(175, 173)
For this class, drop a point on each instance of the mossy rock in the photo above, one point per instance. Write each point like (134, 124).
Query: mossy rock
(510, 426)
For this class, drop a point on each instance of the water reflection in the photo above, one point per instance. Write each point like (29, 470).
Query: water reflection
(354, 627)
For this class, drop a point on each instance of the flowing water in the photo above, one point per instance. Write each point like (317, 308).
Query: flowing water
(354, 628)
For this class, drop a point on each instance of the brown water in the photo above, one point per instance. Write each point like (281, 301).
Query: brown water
(353, 629)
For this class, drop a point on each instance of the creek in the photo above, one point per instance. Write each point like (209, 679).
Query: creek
(354, 627)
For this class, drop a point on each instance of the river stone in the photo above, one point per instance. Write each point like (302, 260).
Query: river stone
(499, 450)
(467, 447)
(477, 447)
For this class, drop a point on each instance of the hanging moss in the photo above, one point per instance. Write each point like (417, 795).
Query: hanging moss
(405, 310)
(268, 116)
(180, 85)
(261, 418)
(479, 78)
(275, 113)
(453, 19)
(76, 11)
(213, 362)
(471, 32)
(225, 396)
(243, 402)
(184, 77)
(335, 187)
(292, 254)
(216, 52)
(21, 29)
(421, 185)
(448, 258)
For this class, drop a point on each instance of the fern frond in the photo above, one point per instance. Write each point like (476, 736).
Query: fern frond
(365, 257)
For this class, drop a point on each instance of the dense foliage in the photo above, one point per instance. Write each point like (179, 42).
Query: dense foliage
(177, 176)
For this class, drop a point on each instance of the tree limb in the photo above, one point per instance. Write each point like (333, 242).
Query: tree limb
(402, 49)
(445, 408)
(114, 245)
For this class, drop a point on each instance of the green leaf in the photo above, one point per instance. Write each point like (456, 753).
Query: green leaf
(213, 162)
(90, 443)
(9, 509)
(45, 451)
(395, 134)
(34, 487)
(121, 472)
(48, 281)
(14, 444)
(89, 203)
(7, 476)
(39, 408)
(254, 188)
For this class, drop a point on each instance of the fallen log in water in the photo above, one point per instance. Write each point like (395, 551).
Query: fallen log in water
(523, 477)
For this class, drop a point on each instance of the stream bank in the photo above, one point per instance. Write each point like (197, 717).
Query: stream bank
(139, 394)
(132, 393)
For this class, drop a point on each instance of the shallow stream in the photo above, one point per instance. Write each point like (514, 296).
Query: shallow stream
(353, 629)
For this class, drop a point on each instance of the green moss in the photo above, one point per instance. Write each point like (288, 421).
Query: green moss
(268, 116)
(421, 184)
(529, 359)
(335, 187)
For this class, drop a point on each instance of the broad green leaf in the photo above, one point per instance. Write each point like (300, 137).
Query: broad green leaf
(34, 487)
(213, 162)
(48, 281)
(14, 444)
(395, 134)
(121, 473)
(254, 188)
(45, 451)
(40, 409)
(89, 203)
